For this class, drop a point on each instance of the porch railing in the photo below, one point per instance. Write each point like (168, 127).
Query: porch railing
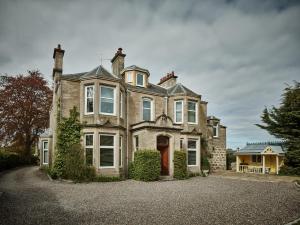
(253, 169)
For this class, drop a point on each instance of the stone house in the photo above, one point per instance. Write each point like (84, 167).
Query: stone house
(123, 112)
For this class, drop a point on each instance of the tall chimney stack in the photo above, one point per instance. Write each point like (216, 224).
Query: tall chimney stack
(58, 55)
(118, 62)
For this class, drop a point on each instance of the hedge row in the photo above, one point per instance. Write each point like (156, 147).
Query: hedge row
(10, 160)
(180, 165)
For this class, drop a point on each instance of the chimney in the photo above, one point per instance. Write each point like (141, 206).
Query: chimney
(118, 62)
(58, 55)
(168, 81)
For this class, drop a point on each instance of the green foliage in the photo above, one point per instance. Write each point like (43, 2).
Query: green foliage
(230, 158)
(146, 165)
(284, 123)
(205, 165)
(131, 170)
(180, 165)
(9, 160)
(194, 174)
(107, 179)
(287, 170)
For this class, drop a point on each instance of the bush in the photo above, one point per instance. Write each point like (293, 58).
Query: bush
(107, 179)
(9, 160)
(287, 170)
(146, 165)
(180, 165)
(131, 170)
(195, 174)
(205, 165)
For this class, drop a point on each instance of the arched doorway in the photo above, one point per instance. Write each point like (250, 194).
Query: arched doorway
(163, 147)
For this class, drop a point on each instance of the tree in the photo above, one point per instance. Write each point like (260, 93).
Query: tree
(284, 123)
(25, 101)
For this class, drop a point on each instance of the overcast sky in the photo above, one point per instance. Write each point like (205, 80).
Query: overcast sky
(237, 54)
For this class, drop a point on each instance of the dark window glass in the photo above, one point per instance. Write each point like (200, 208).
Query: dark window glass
(106, 140)
(106, 156)
(191, 157)
(191, 144)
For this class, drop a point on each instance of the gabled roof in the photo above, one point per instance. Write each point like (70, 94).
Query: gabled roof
(259, 148)
(98, 72)
(179, 89)
(134, 67)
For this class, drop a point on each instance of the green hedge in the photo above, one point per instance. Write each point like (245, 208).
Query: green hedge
(180, 165)
(9, 160)
(205, 165)
(287, 170)
(146, 166)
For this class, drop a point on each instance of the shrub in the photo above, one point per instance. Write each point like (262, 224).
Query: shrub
(194, 174)
(146, 165)
(131, 170)
(9, 160)
(106, 179)
(287, 170)
(180, 165)
(205, 165)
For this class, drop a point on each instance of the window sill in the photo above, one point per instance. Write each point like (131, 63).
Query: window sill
(191, 123)
(107, 167)
(107, 114)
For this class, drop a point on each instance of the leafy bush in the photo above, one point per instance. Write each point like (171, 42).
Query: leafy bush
(180, 165)
(146, 165)
(205, 165)
(9, 160)
(107, 179)
(287, 170)
(131, 170)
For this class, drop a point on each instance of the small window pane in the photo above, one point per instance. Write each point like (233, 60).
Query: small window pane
(45, 145)
(140, 79)
(178, 116)
(89, 140)
(106, 156)
(89, 92)
(89, 105)
(106, 140)
(107, 106)
(107, 92)
(192, 144)
(191, 116)
(192, 106)
(259, 158)
(178, 106)
(45, 155)
(191, 157)
(89, 156)
(146, 114)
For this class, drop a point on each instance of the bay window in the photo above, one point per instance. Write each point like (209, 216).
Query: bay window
(192, 152)
(89, 99)
(107, 100)
(178, 111)
(106, 150)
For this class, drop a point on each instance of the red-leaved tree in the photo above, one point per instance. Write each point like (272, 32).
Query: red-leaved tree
(25, 101)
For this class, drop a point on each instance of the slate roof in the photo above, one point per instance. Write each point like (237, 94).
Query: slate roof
(258, 148)
(134, 67)
(180, 89)
(151, 89)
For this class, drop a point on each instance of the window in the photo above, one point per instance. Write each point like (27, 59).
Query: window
(140, 80)
(216, 130)
(178, 111)
(121, 151)
(121, 105)
(45, 152)
(192, 147)
(147, 109)
(106, 150)
(129, 77)
(256, 158)
(107, 96)
(181, 144)
(192, 112)
(89, 147)
(89, 99)
(136, 142)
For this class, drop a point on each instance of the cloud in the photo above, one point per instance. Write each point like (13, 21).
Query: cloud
(237, 54)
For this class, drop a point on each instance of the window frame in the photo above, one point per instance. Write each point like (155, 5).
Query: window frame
(143, 76)
(107, 146)
(217, 130)
(196, 112)
(151, 108)
(121, 105)
(192, 150)
(85, 99)
(182, 113)
(129, 75)
(256, 158)
(120, 151)
(89, 146)
(114, 100)
(45, 150)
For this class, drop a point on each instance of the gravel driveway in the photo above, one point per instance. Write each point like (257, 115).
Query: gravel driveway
(30, 198)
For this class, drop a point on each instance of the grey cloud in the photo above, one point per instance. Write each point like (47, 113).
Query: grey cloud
(237, 54)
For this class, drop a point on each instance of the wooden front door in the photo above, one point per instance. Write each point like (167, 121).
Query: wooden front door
(163, 147)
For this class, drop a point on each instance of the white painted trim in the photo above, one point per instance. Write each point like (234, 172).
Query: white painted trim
(89, 146)
(136, 80)
(151, 108)
(85, 99)
(193, 150)
(196, 112)
(104, 146)
(182, 113)
(114, 101)
(45, 150)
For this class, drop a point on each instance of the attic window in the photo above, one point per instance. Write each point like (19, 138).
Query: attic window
(216, 130)
(129, 77)
(140, 80)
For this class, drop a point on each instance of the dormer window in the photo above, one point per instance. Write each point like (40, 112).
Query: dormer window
(216, 130)
(129, 77)
(139, 80)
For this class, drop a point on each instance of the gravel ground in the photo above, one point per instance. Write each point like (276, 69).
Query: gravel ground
(30, 198)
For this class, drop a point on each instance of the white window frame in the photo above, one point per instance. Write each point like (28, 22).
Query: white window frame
(88, 146)
(192, 150)
(182, 113)
(196, 112)
(121, 151)
(217, 130)
(105, 146)
(151, 108)
(85, 99)
(114, 101)
(121, 104)
(143, 85)
(45, 150)
(129, 77)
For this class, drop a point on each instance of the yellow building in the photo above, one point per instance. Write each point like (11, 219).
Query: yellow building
(264, 158)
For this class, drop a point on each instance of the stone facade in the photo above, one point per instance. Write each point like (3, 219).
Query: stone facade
(124, 107)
